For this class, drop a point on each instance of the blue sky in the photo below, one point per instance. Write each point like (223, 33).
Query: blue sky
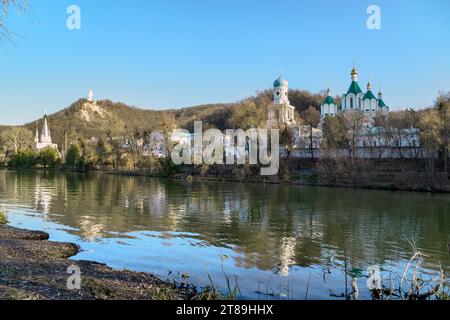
(170, 54)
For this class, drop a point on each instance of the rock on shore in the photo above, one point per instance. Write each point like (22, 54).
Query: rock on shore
(31, 267)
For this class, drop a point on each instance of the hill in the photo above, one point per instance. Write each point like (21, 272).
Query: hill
(100, 118)
(84, 119)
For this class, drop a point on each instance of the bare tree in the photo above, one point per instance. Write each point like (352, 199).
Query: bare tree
(312, 119)
(354, 122)
(117, 150)
(135, 148)
(17, 139)
(5, 7)
(287, 140)
(443, 106)
(335, 132)
(431, 126)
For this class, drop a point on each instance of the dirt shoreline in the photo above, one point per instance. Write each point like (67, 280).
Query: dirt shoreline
(34, 268)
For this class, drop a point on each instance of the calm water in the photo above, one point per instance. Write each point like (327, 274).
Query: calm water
(275, 239)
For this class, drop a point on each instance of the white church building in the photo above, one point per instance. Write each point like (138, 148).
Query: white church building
(356, 100)
(281, 111)
(44, 140)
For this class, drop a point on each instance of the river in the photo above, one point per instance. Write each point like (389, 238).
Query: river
(273, 241)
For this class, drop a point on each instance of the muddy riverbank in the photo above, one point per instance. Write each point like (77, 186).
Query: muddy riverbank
(32, 267)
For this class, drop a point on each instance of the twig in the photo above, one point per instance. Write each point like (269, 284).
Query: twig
(307, 287)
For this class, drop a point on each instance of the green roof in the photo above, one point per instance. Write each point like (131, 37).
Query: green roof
(354, 88)
(369, 95)
(381, 103)
(328, 100)
(280, 82)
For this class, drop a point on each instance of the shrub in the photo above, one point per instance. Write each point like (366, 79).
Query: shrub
(23, 160)
(3, 219)
(48, 157)
(169, 169)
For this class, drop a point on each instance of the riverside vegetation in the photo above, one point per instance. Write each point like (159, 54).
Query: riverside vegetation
(3, 219)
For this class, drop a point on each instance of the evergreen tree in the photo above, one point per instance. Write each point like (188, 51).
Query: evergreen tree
(73, 157)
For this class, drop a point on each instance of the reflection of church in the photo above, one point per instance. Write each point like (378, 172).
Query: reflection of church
(42, 196)
(287, 255)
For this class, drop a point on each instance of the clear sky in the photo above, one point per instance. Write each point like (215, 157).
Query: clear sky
(169, 54)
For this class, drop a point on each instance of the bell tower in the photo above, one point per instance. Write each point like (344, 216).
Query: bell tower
(280, 91)
(280, 111)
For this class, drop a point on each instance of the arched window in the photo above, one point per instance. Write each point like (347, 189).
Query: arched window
(351, 103)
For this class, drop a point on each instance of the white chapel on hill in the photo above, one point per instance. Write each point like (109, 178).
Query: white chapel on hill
(44, 140)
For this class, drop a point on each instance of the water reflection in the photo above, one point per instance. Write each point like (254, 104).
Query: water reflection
(268, 229)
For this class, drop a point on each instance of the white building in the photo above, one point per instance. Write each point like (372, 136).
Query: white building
(371, 141)
(44, 140)
(328, 107)
(155, 145)
(90, 97)
(356, 100)
(281, 111)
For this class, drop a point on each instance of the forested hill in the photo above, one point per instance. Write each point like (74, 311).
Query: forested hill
(97, 119)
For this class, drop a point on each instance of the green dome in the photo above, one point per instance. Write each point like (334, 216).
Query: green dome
(328, 100)
(280, 82)
(354, 88)
(369, 95)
